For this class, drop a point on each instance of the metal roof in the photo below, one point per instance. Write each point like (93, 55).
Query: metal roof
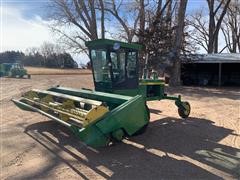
(215, 58)
(110, 42)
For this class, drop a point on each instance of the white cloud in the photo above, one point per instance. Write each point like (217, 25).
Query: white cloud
(19, 33)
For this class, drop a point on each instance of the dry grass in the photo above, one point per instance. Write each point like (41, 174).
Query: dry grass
(53, 71)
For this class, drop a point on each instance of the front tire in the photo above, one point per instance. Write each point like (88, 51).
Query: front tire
(184, 110)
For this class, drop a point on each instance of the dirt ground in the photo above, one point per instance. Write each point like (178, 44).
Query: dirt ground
(205, 146)
(53, 71)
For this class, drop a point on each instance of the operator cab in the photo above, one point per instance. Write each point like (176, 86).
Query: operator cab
(9, 66)
(17, 66)
(114, 64)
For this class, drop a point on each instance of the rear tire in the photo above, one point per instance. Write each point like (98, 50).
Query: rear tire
(118, 135)
(184, 111)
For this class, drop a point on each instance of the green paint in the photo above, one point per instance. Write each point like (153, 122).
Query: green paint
(108, 42)
(123, 117)
(118, 134)
(91, 136)
(115, 123)
(12, 70)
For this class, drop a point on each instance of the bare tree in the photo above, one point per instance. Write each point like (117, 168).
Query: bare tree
(199, 34)
(32, 51)
(231, 27)
(48, 49)
(206, 31)
(76, 21)
(162, 40)
(142, 20)
(101, 5)
(175, 78)
(155, 33)
(215, 22)
(127, 15)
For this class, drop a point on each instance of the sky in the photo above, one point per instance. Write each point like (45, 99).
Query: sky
(24, 24)
(22, 27)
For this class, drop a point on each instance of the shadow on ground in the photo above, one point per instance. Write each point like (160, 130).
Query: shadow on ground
(148, 156)
(218, 92)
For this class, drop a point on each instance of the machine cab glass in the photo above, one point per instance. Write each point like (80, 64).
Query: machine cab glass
(114, 67)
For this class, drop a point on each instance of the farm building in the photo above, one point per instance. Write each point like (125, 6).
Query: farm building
(212, 70)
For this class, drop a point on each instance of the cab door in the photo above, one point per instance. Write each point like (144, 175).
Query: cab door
(124, 69)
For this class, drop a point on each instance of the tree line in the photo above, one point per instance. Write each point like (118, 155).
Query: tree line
(222, 17)
(48, 55)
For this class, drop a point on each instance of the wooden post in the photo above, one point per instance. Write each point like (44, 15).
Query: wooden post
(219, 74)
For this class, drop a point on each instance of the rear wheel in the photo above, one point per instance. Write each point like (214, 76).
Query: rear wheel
(117, 135)
(184, 110)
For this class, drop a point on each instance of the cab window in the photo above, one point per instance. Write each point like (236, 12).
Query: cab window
(118, 66)
(100, 65)
(131, 65)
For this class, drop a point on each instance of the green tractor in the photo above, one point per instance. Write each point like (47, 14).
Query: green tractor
(116, 108)
(14, 70)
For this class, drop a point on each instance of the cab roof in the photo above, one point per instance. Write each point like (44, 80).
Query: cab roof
(110, 42)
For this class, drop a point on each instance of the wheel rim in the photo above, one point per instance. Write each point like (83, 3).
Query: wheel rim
(186, 108)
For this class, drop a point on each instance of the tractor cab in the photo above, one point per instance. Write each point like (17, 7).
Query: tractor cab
(114, 64)
(10, 66)
(115, 70)
(17, 66)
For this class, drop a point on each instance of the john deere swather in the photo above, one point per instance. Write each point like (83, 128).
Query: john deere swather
(116, 108)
